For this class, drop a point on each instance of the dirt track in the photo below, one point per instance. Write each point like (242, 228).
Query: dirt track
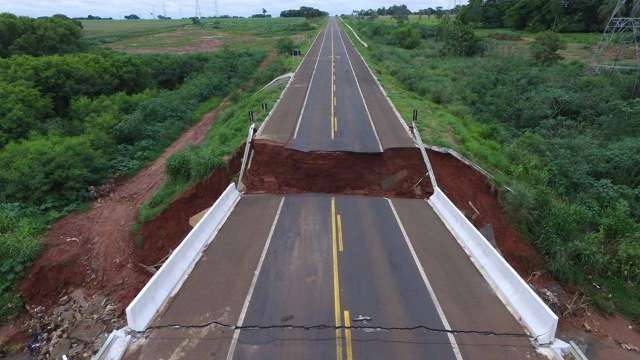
(95, 249)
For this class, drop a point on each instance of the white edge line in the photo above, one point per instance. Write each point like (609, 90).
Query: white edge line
(313, 75)
(375, 132)
(354, 33)
(247, 300)
(261, 128)
(400, 118)
(432, 294)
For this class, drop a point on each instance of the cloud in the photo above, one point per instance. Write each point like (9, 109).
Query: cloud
(177, 8)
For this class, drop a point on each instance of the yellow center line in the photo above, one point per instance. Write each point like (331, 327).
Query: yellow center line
(347, 334)
(333, 92)
(336, 282)
(340, 246)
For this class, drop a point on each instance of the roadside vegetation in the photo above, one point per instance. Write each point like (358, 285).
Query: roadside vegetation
(228, 132)
(77, 115)
(566, 141)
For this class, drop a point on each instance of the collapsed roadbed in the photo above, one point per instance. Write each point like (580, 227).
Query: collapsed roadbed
(277, 169)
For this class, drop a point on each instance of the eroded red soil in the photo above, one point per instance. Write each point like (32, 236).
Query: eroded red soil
(95, 249)
(395, 173)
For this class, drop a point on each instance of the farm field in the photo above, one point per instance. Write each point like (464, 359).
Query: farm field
(182, 36)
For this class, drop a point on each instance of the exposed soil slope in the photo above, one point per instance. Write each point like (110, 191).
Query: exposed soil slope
(95, 249)
(469, 189)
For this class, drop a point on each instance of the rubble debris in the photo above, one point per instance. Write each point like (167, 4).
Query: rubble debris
(75, 328)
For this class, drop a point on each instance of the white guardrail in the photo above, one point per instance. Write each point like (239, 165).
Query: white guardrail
(520, 299)
(168, 279)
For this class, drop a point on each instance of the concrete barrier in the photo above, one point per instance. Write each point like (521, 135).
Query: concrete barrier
(525, 305)
(168, 279)
(114, 347)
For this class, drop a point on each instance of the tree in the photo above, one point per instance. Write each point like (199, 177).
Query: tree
(132, 17)
(22, 110)
(264, 11)
(304, 11)
(459, 38)
(545, 47)
(399, 12)
(45, 36)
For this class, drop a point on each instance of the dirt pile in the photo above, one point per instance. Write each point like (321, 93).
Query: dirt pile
(394, 173)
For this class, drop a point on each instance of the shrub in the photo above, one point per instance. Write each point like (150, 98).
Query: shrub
(285, 45)
(50, 172)
(546, 46)
(459, 39)
(408, 37)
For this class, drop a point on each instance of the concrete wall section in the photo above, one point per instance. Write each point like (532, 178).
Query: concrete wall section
(520, 299)
(178, 266)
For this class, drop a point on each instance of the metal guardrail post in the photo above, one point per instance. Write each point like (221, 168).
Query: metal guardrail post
(425, 157)
(245, 157)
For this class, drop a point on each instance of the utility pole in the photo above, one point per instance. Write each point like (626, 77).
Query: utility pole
(164, 8)
(215, 8)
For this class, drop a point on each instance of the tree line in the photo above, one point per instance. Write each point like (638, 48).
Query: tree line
(304, 11)
(537, 15)
(21, 35)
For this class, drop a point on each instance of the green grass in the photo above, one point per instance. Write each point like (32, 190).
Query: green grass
(106, 31)
(438, 125)
(255, 33)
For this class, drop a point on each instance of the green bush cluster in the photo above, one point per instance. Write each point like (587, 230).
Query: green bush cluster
(69, 122)
(572, 145)
(43, 36)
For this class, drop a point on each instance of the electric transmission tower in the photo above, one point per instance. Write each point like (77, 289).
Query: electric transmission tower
(619, 48)
(215, 8)
(198, 13)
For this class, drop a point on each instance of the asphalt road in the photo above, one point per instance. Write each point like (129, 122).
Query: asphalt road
(334, 104)
(333, 261)
(318, 259)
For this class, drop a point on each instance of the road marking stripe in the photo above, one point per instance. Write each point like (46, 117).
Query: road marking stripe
(336, 282)
(333, 90)
(340, 245)
(306, 97)
(364, 102)
(264, 123)
(432, 294)
(247, 300)
(347, 334)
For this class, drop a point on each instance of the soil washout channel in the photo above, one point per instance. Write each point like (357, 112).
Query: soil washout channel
(94, 250)
(394, 173)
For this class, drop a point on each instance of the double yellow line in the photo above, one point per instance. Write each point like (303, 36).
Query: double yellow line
(337, 246)
(334, 119)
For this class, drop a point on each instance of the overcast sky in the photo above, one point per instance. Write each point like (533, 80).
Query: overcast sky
(177, 8)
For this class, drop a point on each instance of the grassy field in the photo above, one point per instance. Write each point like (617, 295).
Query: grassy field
(182, 36)
(106, 31)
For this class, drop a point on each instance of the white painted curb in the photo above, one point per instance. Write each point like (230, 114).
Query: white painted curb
(525, 305)
(115, 346)
(168, 279)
